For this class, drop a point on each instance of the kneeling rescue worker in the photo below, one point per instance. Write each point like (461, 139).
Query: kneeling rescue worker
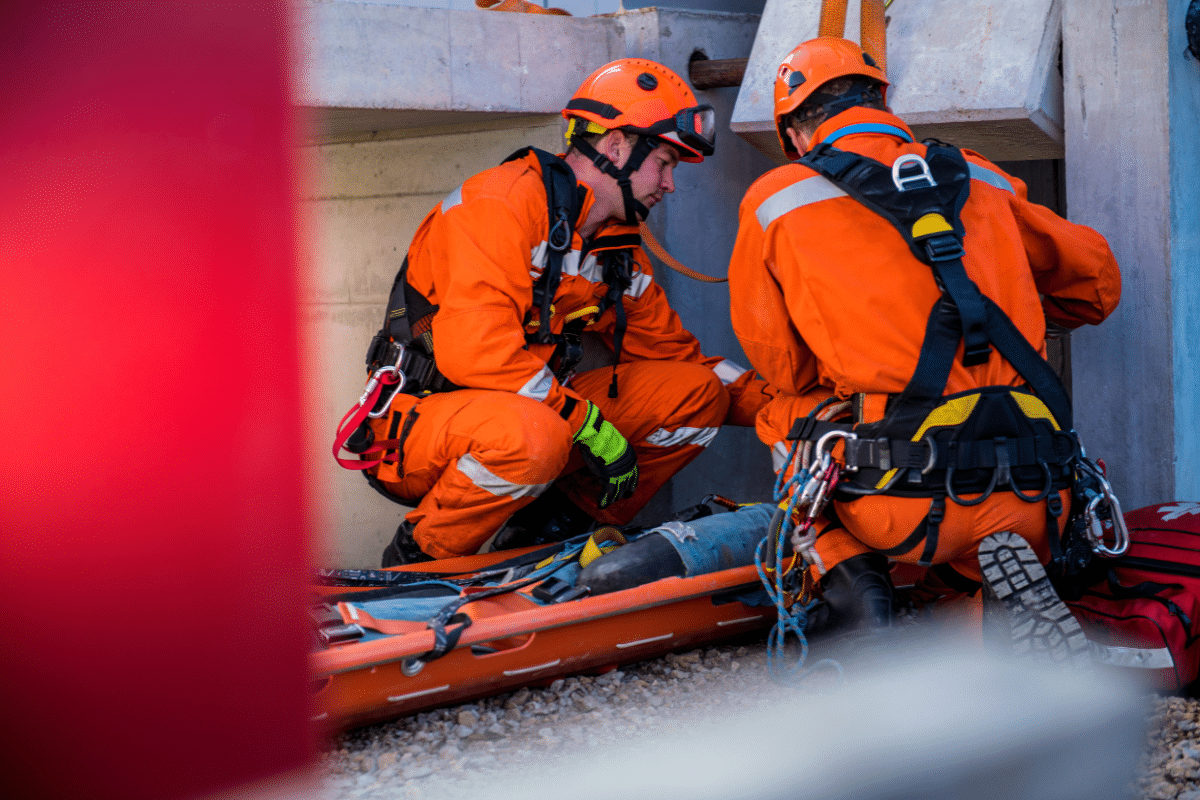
(903, 280)
(473, 409)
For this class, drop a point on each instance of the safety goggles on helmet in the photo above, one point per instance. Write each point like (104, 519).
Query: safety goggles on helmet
(695, 128)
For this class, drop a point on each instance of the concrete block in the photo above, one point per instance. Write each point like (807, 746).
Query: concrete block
(391, 57)
(422, 165)
(983, 76)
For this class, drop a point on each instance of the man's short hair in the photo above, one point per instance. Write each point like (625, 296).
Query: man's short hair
(811, 113)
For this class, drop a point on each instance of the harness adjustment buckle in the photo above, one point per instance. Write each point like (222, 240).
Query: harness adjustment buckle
(943, 247)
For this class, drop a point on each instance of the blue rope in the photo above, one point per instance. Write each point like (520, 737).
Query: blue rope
(795, 619)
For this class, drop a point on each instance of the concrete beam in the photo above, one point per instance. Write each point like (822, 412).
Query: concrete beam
(361, 57)
(983, 76)
(1132, 99)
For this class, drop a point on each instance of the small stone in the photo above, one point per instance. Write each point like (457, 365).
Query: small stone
(1186, 725)
(468, 718)
(735, 666)
(518, 699)
(585, 702)
(387, 759)
(557, 685)
(654, 700)
(462, 731)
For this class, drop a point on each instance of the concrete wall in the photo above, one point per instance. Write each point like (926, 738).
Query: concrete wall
(365, 199)
(1132, 104)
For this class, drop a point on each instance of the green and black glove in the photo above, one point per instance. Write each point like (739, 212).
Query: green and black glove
(607, 455)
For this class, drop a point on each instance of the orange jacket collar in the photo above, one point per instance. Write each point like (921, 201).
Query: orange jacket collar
(857, 116)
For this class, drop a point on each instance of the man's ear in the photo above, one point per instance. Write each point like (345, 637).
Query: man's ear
(616, 146)
(799, 141)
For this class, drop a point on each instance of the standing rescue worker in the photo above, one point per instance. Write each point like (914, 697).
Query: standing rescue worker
(915, 282)
(501, 280)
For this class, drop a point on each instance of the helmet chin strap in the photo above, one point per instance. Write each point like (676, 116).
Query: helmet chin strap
(635, 211)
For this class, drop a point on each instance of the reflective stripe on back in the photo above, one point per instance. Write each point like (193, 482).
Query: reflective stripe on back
(990, 177)
(789, 198)
(697, 436)
(453, 199)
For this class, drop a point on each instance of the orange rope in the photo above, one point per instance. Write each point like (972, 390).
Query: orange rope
(873, 32)
(833, 18)
(666, 258)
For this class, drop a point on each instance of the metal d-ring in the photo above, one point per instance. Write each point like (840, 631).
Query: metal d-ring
(1045, 490)
(411, 666)
(991, 487)
(905, 160)
(932, 462)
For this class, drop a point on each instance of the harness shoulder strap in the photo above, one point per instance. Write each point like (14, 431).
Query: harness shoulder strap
(924, 204)
(563, 204)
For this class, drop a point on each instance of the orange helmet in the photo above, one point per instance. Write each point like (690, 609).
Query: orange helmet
(808, 67)
(645, 98)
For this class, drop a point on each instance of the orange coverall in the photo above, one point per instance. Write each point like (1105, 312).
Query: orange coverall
(827, 299)
(476, 455)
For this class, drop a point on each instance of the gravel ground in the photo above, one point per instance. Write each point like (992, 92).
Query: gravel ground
(447, 753)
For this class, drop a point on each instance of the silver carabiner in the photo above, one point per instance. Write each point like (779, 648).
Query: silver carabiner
(375, 380)
(821, 454)
(905, 160)
(1120, 531)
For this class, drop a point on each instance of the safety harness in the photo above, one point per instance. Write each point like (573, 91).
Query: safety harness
(401, 360)
(1014, 439)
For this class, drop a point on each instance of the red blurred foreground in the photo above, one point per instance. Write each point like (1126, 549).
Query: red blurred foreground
(152, 524)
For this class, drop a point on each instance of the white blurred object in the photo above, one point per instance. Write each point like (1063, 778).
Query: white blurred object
(931, 723)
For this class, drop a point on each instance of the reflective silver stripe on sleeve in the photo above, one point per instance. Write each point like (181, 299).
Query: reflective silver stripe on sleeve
(485, 479)
(453, 199)
(537, 258)
(789, 198)
(1132, 656)
(698, 436)
(538, 387)
(779, 454)
(991, 177)
(728, 371)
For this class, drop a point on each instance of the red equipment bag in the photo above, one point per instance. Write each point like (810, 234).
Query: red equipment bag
(1145, 614)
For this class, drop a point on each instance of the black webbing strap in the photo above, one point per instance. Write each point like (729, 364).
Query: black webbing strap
(872, 184)
(927, 531)
(563, 205)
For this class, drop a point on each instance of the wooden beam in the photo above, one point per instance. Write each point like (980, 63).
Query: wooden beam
(717, 73)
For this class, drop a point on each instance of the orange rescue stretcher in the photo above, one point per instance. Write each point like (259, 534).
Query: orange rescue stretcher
(368, 668)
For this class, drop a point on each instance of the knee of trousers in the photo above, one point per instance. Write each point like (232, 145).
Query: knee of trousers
(515, 437)
(692, 395)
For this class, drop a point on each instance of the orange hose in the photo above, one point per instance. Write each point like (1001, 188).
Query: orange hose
(661, 252)
(833, 18)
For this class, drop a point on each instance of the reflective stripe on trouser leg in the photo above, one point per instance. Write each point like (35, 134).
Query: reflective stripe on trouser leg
(669, 411)
(475, 458)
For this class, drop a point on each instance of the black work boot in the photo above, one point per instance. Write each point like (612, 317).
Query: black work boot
(858, 596)
(403, 548)
(550, 518)
(643, 560)
(1023, 615)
